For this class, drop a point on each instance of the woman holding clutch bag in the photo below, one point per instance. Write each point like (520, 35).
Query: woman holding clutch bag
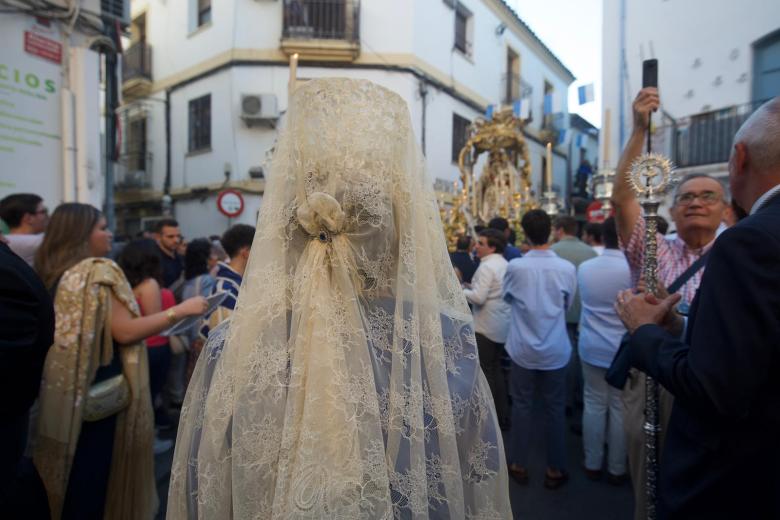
(95, 429)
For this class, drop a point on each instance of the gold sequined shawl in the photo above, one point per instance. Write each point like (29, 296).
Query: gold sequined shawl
(82, 343)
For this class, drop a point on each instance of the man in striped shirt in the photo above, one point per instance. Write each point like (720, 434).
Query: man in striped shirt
(698, 209)
(237, 242)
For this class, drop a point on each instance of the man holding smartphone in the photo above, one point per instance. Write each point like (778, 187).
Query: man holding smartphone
(697, 211)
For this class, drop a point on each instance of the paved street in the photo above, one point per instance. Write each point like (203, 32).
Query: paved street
(579, 499)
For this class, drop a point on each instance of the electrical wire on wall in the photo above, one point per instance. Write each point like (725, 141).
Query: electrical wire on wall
(73, 16)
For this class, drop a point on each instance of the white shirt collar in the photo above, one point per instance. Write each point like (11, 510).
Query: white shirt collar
(765, 197)
(491, 257)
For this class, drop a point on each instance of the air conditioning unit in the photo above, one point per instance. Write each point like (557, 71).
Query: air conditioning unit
(259, 109)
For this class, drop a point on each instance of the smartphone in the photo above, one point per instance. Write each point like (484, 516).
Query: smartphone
(650, 73)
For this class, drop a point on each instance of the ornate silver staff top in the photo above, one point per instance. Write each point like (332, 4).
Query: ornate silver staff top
(601, 186)
(549, 203)
(650, 176)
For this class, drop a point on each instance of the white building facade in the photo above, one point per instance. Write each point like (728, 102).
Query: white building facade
(718, 60)
(191, 131)
(51, 117)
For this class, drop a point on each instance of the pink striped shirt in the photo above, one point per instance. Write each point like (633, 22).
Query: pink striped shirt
(674, 257)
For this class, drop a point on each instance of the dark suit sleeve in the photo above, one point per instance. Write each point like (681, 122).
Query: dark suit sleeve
(26, 333)
(735, 332)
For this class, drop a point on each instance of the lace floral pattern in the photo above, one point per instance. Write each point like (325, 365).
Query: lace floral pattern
(346, 384)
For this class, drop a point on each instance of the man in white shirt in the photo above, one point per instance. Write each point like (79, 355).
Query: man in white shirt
(591, 235)
(26, 217)
(601, 279)
(491, 314)
(539, 287)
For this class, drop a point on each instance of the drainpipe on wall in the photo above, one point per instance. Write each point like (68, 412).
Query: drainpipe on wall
(570, 175)
(112, 103)
(167, 184)
(423, 89)
(68, 122)
(622, 73)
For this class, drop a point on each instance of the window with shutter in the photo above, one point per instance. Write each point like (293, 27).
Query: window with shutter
(204, 12)
(200, 123)
(460, 129)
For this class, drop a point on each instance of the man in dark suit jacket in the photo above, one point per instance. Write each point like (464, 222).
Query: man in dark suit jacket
(26, 333)
(462, 260)
(722, 452)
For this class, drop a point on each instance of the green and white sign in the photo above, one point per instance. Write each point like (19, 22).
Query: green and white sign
(30, 132)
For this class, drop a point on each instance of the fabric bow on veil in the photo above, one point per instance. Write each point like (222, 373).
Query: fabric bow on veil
(347, 383)
(321, 215)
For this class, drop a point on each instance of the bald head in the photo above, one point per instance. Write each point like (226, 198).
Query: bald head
(754, 165)
(761, 136)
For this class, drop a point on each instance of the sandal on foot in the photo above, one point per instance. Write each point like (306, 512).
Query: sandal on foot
(519, 475)
(554, 482)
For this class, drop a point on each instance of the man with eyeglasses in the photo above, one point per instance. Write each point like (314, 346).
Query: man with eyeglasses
(721, 454)
(26, 217)
(697, 212)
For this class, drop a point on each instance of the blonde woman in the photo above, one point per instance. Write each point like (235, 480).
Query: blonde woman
(95, 429)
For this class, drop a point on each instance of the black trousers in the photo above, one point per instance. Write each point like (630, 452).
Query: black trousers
(490, 354)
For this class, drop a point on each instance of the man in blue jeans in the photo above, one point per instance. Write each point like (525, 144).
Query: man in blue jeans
(601, 279)
(539, 288)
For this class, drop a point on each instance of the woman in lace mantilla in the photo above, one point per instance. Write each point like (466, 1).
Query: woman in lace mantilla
(346, 384)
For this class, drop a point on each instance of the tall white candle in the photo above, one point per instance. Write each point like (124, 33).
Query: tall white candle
(605, 162)
(548, 177)
(293, 72)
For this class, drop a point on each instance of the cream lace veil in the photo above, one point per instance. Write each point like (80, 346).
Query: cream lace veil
(347, 383)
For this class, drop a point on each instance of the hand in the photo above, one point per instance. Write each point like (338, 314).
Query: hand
(194, 306)
(673, 322)
(646, 101)
(660, 290)
(640, 309)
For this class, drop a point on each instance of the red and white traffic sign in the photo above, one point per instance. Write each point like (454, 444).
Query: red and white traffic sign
(230, 203)
(595, 212)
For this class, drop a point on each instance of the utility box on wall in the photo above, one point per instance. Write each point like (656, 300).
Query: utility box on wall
(259, 109)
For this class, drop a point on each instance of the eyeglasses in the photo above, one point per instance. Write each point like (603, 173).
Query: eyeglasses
(708, 198)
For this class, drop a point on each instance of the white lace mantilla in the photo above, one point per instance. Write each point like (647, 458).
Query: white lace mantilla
(347, 383)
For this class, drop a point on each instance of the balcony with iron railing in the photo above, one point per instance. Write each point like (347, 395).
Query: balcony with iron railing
(133, 172)
(321, 30)
(137, 70)
(702, 139)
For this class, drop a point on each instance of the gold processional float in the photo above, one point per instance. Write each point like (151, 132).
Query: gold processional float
(504, 187)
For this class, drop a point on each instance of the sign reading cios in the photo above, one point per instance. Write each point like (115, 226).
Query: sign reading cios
(30, 126)
(26, 80)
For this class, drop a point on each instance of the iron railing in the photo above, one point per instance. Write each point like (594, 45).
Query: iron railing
(134, 171)
(704, 138)
(514, 88)
(322, 19)
(137, 62)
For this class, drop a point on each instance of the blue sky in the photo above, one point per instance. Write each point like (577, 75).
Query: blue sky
(572, 30)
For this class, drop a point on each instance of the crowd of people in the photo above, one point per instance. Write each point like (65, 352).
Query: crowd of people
(527, 336)
(100, 344)
(552, 313)
(114, 373)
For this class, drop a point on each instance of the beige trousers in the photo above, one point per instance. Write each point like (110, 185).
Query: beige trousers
(633, 422)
